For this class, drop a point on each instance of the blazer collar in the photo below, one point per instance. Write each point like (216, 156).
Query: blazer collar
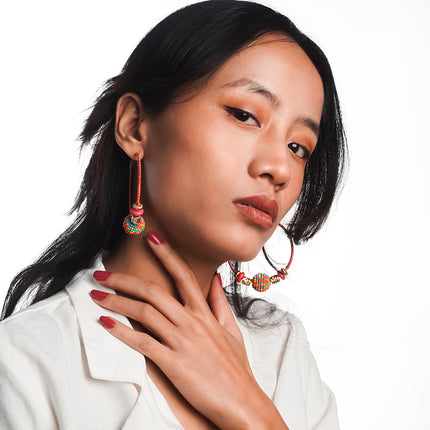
(108, 358)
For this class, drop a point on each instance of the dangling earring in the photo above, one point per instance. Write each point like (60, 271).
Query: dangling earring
(134, 223)
(262, 282)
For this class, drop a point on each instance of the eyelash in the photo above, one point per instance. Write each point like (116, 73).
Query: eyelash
(236, 112)
(295, 146)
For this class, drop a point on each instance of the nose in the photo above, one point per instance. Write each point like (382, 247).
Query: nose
(272, 161)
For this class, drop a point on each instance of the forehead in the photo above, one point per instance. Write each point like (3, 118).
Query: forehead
(276, 63)
(272, 44)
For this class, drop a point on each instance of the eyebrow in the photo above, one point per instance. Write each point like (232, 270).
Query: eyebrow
(255, 87)
(258, 88)
(309, 123)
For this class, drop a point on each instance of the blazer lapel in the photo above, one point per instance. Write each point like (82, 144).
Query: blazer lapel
(108, 358)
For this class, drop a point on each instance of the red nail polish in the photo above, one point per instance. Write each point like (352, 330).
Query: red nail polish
(101, 275)
(98, 295)
(155, 238)
(219, 278)
(107, 322)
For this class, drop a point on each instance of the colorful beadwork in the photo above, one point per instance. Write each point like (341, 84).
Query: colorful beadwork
(261, 282)
(132, 228)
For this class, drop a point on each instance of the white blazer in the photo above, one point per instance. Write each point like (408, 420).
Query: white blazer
(59, 369)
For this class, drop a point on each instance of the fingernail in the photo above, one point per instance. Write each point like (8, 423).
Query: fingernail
(101, 275)
(98, 295)
(155, 238)
(107, 322)
(219, 279)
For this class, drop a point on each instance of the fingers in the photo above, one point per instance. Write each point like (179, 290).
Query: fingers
(184, 278)
(142, 312)
(143, 290)
(141, 342)
(221, 308)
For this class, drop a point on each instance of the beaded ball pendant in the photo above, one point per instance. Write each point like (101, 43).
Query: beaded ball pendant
(134, 223)
(261, 282)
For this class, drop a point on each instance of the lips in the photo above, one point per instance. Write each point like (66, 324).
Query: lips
(261, 206)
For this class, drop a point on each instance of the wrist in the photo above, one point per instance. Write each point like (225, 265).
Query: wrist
(262, 414)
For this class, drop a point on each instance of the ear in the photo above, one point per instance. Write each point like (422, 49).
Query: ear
(130, 125)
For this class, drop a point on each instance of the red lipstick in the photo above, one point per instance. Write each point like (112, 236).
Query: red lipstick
(260, 209)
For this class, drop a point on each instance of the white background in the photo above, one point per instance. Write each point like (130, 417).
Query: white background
(361, 285)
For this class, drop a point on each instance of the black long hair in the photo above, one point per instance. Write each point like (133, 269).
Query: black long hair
(178, 55)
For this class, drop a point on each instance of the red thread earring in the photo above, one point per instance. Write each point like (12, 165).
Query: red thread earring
(134, 223)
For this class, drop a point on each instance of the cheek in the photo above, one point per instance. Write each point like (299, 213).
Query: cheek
(292, 192)
(184, 164)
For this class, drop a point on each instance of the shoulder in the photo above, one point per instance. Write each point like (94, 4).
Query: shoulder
(284, 366)
(276, 330)
(46, 311)
(47, 323)
(41, 327)
(278, 341)
(278, 346)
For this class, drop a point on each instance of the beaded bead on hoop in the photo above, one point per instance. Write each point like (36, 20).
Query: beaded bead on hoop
(134, 223)
(261, 281)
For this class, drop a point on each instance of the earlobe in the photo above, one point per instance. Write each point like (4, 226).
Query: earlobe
(130, 125)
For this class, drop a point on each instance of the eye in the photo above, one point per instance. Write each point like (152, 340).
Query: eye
(300, 150)
(242, 115)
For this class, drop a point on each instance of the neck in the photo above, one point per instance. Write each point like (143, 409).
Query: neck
(134, 257)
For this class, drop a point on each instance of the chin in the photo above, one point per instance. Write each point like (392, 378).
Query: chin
(244, 251)
(245, 244)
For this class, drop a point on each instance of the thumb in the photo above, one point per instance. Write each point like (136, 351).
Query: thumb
(221, 308)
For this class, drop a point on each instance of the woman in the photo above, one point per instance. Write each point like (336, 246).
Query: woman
(223, 118)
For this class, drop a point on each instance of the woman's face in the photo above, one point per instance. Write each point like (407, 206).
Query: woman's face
(248, 133)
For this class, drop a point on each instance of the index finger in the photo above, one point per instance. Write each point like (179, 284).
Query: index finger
(185, 280)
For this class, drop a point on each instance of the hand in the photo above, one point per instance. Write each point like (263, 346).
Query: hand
(197, 345)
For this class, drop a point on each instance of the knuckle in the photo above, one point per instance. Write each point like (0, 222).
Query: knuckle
(196, 325)
(145, 343)
(188, 277)
(147, 289)
(145, 309)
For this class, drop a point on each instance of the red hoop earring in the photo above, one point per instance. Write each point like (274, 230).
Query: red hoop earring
(262, 282)
(134, 223)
